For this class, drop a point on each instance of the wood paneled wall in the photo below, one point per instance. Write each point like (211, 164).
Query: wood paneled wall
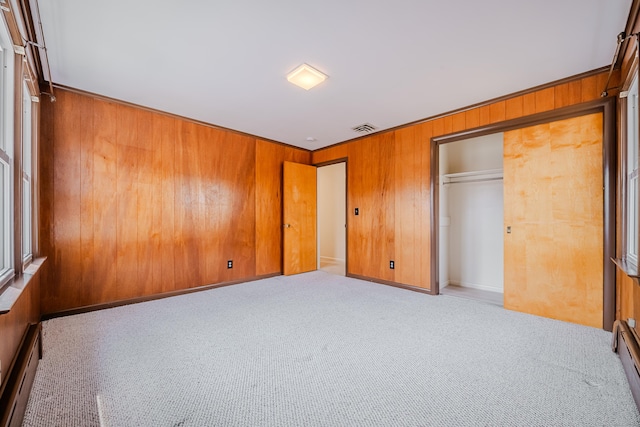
(14, 324)
(136, 203)
(388, 179)
(627, 289)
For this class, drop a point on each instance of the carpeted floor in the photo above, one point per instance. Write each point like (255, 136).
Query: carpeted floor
(324, 350)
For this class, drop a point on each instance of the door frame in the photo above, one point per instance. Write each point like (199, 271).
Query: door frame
(606, 106)
(344, 160)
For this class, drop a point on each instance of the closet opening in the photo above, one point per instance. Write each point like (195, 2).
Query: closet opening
(332, 218)
(471, 218)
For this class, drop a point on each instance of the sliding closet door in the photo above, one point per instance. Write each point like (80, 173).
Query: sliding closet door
(553, 212)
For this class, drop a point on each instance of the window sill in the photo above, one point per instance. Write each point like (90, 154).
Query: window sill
(12, 290)
(627, 268)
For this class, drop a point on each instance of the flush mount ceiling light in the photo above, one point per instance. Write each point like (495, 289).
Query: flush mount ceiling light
(306, 77)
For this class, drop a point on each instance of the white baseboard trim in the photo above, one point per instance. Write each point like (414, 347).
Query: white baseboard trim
(445, 284)
(477, 286)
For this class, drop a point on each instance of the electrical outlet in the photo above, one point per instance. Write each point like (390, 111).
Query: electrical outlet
(229, 264)
(392, 265)
(356, 211)
(631, 322)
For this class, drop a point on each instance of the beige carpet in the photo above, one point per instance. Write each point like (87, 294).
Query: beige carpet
(324, 350)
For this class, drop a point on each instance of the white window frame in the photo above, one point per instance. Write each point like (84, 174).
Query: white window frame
(7, 94)
(27, 176)
(632, 174)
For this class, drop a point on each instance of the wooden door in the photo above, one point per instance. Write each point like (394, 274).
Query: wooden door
(299, 217)
(553, 213)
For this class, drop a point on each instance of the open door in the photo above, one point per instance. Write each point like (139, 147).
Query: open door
(299, 218)
(553, 200)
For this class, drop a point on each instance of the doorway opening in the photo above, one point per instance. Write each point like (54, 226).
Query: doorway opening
(471, 218)
(332, 200)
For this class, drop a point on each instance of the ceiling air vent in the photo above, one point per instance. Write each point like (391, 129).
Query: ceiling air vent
(364, 128)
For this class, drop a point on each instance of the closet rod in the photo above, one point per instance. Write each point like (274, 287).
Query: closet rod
(474, 180)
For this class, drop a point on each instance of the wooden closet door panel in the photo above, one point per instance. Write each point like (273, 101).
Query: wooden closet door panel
(553, 200)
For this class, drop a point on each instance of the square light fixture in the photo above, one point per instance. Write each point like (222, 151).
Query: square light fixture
(306, 77)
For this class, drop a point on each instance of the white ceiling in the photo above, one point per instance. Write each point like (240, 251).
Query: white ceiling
(389, 62)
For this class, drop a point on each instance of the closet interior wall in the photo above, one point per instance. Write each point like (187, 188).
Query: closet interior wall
(471, 213)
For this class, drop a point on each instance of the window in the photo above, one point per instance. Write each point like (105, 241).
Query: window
(27, 180)
(6, 156)
(632, 174)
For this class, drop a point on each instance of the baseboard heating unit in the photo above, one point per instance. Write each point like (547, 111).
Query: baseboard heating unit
(15, 394)
(625, 343)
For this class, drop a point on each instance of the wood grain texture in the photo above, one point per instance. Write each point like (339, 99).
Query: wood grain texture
(332, 153)
(371, 189)
(366, 169)
(269, 163)
(67, 258)
(174, 233)
(14, 324)
(105, 207)
(268, 207)
(45, 197)
(553, 203)
(627, 293)
(412, 194)
(136, 203)
(299, 197)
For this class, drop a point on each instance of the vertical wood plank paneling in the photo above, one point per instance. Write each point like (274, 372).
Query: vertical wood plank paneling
(128, 159)
(447, 125)
(472, 119)
(528, 104)
(567, 94)
(364, 169)
(105, 201)
(156, 232)
(87, 246)
(407, 193)
(298, 156)
(167, 176)
(545, 100)
(484, 114)
(67, 257)
(438, 127)
(46, 166)
(423, 136)
(514, 108)
(239, 220)
(372, 188)
(336, 152)
(163, 202)
(459, 122)
(268, 207)
(212, 204)
(147, 206)
(497, 112)
(589, 88)
(187, 208)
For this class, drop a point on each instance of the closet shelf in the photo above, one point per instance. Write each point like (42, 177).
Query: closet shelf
(472, 176)
(482, 173)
